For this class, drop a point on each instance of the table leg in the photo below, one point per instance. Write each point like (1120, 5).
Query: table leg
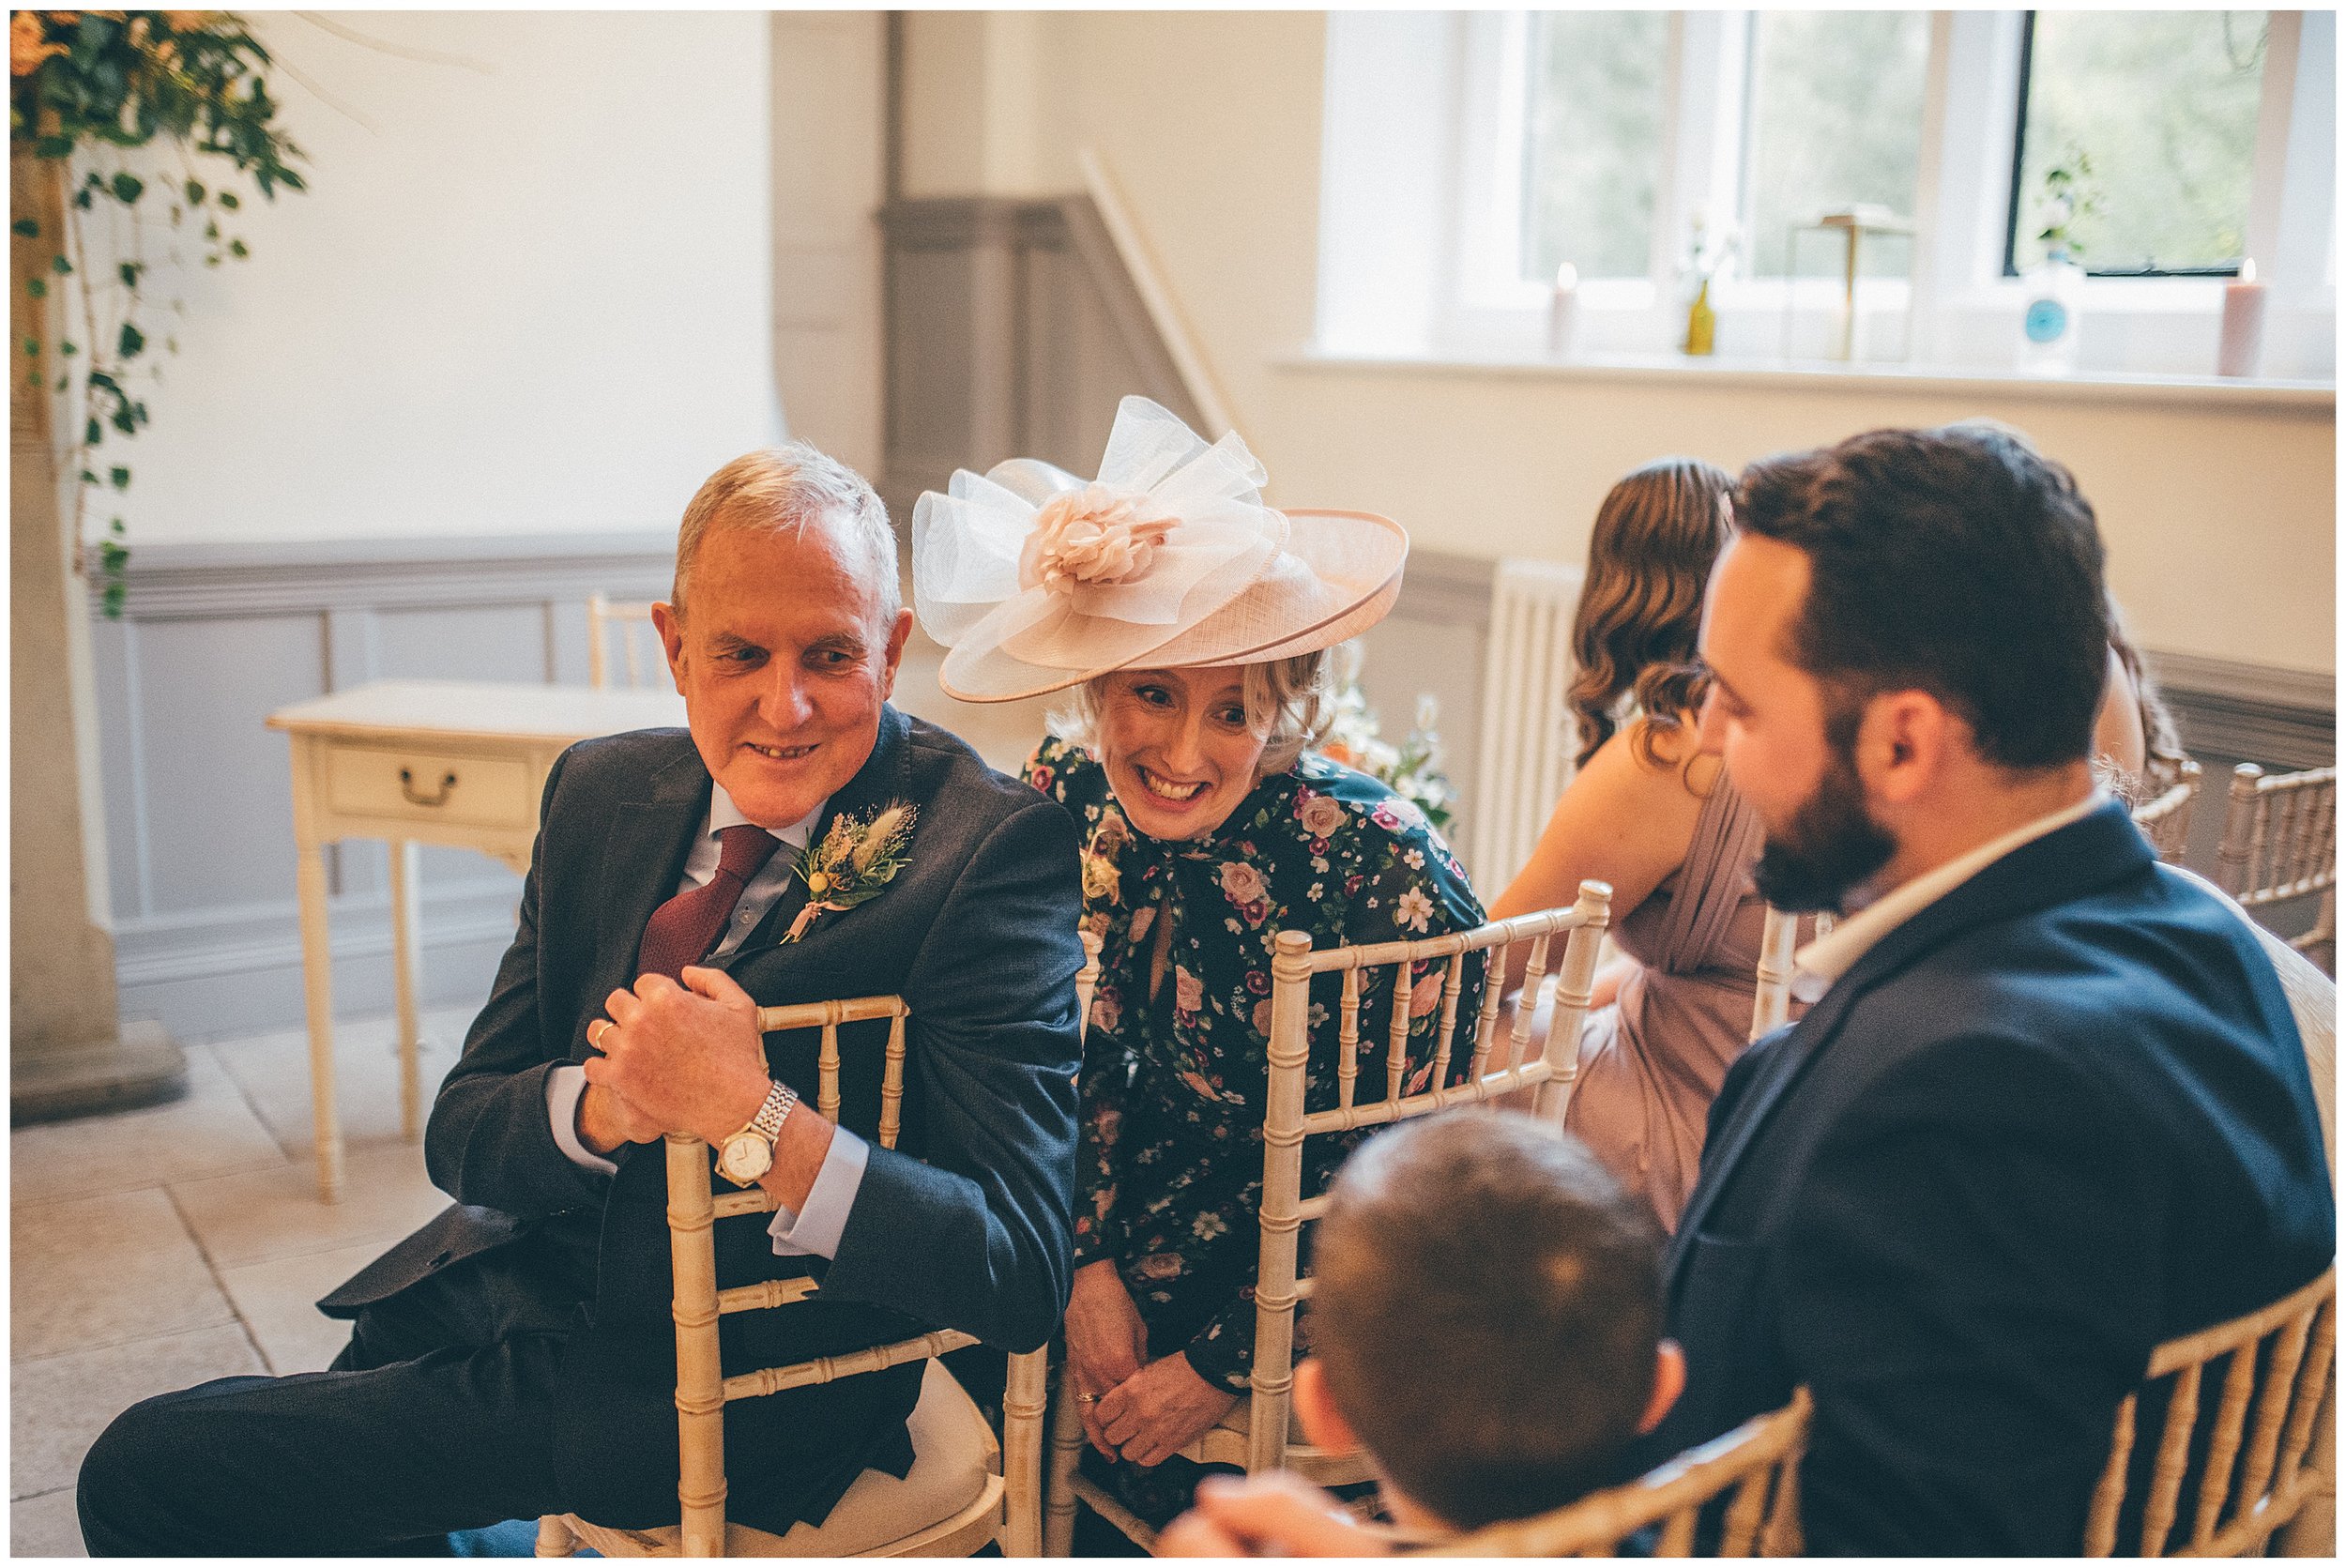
(406, 940)
(317, 991)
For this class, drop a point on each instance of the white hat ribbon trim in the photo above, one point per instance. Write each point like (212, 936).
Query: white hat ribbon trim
(1042, 564)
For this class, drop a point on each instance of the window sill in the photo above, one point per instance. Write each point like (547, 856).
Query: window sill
(2228, 393)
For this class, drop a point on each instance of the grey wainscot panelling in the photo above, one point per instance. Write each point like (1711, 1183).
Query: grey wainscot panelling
(212, 639)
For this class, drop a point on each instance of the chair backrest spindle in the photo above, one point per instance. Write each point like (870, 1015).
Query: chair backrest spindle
(1534, 971)
(1486, 1026)
(603, 615)
(1772, 998)
(893, 1084)
(1348, 1039)
(2280, 844)
(2166, 818)
(1398, 1032)
(1576, 982)
(2254, 1478)
(1454, 982)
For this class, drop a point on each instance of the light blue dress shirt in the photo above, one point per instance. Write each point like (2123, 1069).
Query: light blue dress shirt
(814, 1230)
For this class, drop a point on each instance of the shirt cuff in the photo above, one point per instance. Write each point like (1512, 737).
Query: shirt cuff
(565, 1086)
(815, 1230)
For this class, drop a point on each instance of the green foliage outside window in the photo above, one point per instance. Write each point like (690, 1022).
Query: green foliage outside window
(1835, 120)
(1594, 154)
(2163, 105)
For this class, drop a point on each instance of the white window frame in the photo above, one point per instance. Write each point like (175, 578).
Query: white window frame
(1422, 202)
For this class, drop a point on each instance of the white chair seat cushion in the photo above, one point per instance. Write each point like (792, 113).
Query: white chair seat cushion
(953, 1459)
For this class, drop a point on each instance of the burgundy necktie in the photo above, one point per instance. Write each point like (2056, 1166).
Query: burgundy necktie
(682, 930)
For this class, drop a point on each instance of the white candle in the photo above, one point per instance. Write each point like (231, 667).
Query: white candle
(1563, 310)
(2243, 342)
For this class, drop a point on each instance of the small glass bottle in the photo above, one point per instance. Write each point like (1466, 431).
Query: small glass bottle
(1702, 322)
(2048, 323)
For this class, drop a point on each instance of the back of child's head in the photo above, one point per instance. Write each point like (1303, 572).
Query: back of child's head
(1487, 1308)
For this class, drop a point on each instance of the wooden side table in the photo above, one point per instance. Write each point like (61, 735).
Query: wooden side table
(447, 762)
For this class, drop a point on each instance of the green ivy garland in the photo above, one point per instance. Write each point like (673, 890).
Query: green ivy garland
(91, 84)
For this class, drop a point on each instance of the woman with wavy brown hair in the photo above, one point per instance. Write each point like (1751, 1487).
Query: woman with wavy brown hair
(1654, 815)
(2138, 751)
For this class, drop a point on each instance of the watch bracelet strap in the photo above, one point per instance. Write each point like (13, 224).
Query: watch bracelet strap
(780, 1099)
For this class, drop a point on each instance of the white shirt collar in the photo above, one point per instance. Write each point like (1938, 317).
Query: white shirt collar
(724, 814)
(1825, 959)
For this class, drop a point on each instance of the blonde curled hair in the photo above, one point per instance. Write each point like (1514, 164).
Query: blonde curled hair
(1285, 700)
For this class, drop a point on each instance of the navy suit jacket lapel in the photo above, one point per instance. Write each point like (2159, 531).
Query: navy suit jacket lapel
(651, 836)
(1795, 1048)
(2082, 857)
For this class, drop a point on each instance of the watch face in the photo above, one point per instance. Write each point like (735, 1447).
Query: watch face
(746, 1157)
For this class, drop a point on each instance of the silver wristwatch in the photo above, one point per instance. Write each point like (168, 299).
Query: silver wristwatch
(749, 1152)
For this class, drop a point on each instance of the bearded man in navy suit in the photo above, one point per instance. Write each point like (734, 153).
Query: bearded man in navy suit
(2048, 1107)
(515, 1357)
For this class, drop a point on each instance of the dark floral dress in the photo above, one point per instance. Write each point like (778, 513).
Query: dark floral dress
(1169, 1173)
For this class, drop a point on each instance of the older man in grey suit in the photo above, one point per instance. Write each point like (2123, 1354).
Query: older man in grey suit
(514, 1357)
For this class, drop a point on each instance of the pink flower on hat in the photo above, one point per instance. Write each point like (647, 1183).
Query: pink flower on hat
(1094, 537)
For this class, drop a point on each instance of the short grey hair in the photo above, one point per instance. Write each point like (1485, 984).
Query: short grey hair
(783, 489)
(1287, 701)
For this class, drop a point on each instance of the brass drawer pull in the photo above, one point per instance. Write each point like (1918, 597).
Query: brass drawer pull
(407, 788)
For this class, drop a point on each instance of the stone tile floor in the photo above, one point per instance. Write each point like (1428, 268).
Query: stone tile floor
(153, 1249)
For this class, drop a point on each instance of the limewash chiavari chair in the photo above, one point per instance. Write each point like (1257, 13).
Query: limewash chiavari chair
(1255, 1433)
(1004, 1505)
(2281, 843)
(1758, 1463)
(2261, 1463)
(626, 615)
(1779, 938)
(2166, 817)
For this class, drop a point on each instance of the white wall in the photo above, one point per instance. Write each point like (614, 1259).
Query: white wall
(2220, 519)
(526, 293)
(829, 128)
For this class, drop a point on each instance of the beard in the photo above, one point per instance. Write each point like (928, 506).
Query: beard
(1828, 848)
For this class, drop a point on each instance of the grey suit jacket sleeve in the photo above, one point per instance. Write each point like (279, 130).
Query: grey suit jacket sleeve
(488, 1142)
(977, 1235)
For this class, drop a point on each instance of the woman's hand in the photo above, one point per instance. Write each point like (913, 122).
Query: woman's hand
(1106, 1341)
(1161, 1410)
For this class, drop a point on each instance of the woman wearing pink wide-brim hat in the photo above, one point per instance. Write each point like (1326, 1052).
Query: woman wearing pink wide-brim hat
(1189, 624)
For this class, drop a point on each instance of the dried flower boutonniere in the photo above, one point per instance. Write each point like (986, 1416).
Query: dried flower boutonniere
(1101, 878)
(852, 863)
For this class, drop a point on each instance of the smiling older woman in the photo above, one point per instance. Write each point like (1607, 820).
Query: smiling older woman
(1191, 623)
